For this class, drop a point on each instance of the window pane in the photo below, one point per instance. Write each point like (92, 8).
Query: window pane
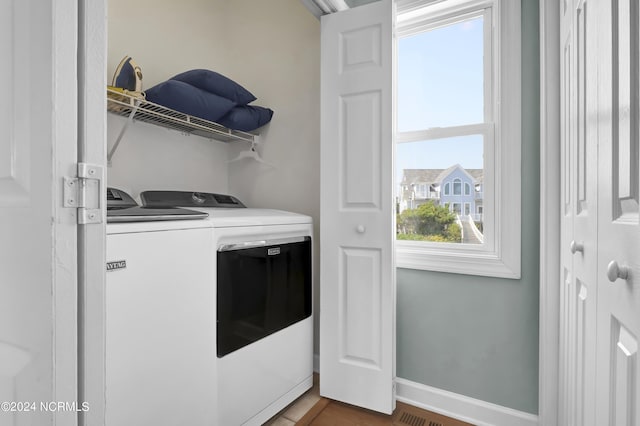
(431, 204)
(440, 77)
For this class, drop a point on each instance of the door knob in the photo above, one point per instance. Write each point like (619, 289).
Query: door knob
(361, 229)
(615, 271)
(576, 246)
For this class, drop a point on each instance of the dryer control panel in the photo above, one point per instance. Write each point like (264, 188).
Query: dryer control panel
(188, 199)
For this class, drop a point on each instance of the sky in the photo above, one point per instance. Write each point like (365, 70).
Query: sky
(440, 75)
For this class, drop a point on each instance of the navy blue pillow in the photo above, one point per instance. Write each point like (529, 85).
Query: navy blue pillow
(217, 84)
(246, 117)
(190, 100)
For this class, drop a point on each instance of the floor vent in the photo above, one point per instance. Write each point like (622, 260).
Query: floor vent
(413, 420)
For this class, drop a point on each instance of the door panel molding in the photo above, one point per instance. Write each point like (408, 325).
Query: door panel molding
(15, 139)
(625, 113)
(361, 146)
(360, 307)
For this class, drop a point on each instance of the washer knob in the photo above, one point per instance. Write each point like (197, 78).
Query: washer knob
(198, 197)
(361, 229)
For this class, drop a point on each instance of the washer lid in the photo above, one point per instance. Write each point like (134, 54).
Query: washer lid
(121, 207)
(226, 218)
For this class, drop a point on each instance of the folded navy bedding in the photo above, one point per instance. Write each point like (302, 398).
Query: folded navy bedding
(209, 95)
(218, 84)
(190, 100)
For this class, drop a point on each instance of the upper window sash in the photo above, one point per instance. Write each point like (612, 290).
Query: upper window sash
(440, 16)
(424, 12)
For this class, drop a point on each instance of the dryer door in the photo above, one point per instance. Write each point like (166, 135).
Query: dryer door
(263, 287)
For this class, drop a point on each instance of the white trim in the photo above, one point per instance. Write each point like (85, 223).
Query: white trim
(461, 407)
(549, 211)
(481, 264)
(313, 8)
(92, 148)
(409, 14)
(404, 6)
(500, 254)
(483, 129)
(62, 28)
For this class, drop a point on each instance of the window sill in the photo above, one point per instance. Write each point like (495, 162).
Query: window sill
(467, 262)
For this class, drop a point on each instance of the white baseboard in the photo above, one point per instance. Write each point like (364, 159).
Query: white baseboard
(461, 407)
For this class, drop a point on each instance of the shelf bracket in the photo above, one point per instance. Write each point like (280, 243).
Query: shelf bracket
(132, 114)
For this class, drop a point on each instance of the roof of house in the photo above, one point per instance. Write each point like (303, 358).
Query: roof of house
(431, 176)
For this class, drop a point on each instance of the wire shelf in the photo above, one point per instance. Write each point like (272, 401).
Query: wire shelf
(138, 109)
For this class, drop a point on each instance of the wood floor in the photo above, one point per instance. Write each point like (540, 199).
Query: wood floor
(333, 413)
(313, 410)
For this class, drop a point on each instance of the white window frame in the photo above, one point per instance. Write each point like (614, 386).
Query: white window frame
(499, 255)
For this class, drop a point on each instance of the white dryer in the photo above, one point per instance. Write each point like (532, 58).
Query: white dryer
(159, 303)
(263, 299)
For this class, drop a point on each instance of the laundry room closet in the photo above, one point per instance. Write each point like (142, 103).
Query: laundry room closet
(272, 49)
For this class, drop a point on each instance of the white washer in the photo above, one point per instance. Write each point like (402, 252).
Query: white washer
(159, 319)
(264, 356)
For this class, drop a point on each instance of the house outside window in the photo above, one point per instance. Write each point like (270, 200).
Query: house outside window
(455, 58)
(430, 179)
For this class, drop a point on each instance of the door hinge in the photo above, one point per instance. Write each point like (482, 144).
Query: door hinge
(84, 193)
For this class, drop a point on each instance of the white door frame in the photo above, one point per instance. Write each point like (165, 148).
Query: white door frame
(549, 211)
(92, 149)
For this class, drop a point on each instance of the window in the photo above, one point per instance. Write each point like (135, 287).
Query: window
(423, 191)
(454, 59)
(457, 187)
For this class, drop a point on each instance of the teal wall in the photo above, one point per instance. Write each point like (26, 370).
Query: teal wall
(478, 336)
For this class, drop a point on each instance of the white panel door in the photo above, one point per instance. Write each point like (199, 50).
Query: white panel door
(618, 374)
(357, 271)
(579, 214)
(38, 140)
